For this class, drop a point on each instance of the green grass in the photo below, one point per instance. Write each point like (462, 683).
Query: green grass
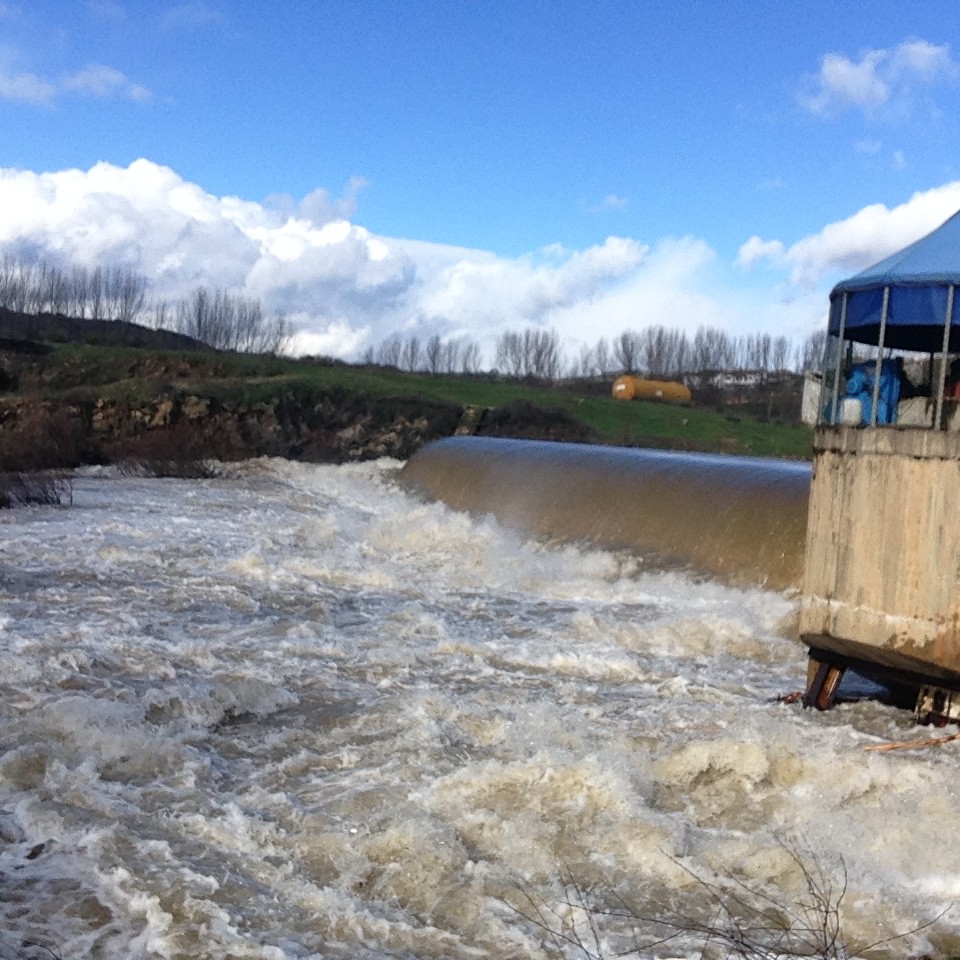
(135, 375)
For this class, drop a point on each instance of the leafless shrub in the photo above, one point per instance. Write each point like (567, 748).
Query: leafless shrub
(45, 488)
(176, 451)
(730, 918)
(179, 469)
(37, 437)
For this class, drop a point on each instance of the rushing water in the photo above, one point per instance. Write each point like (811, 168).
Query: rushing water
(743, 519)
(293, 712)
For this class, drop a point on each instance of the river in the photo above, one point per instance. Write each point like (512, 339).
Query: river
(294, 712)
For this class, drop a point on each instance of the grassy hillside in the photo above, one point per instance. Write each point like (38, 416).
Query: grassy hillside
(72, 372)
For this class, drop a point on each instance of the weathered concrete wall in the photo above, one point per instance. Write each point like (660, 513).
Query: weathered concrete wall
(882, 571)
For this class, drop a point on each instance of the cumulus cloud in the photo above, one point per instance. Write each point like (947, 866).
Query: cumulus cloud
(345, 287)
(858, 241)
(95, 80)
(877, 79)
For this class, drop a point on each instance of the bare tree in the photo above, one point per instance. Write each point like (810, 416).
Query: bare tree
(434, 354)
(711, 350)
(810, 353)
(410, 357)
(56, 293)
(656, 350)
(277, 335)
(79, 292)
(780, 356)
(130, 293)
(628, 349)
(469, 353)
(389, 352)
(602, 361)
(546, 356)
(509, 355)
(533, 353)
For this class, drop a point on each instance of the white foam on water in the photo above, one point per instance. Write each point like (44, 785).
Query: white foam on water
(292, 712)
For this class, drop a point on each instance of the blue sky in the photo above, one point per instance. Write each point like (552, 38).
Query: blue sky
(465, 168)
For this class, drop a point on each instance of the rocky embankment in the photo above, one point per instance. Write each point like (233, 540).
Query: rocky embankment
(44, 434)
(330, 427)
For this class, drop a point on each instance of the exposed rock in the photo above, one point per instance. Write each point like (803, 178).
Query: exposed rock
(336, 426)
(195, 408)
(162, 414)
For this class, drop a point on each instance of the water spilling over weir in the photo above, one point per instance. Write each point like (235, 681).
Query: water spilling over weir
(738, 518)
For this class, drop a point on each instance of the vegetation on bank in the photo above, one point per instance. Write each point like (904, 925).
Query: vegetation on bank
(581, 409)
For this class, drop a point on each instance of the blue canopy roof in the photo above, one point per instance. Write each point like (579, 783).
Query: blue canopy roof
(918, 277)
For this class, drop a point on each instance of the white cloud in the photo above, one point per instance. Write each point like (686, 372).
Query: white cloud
(26, 88)
(319, 207)
(98, 80)
(95, 80)
(756, 249)
(611, 201)
(855, 243)
(844, 83)
(337, 340)
(346, 288)
(922, 60)
(878, 78)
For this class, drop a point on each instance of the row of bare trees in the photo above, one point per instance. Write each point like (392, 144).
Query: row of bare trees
(436, 355)
(229, 321)
(225, 321)
(656, 351)
(218, 318)
(104, 293)
(664, 352)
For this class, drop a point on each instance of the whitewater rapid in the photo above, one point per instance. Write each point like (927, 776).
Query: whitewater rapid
(294, 712)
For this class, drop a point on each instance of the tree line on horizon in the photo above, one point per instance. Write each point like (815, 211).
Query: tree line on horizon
(656, 351)
(228, 321)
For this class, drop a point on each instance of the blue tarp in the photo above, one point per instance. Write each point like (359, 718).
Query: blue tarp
(860, 385)
(918, 277)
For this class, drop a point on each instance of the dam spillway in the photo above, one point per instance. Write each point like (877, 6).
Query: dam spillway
(741, 519)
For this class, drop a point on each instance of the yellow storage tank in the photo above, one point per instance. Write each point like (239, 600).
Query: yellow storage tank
(636, 388)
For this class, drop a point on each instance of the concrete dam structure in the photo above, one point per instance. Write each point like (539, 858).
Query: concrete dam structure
(742, 519)
(876, 555)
